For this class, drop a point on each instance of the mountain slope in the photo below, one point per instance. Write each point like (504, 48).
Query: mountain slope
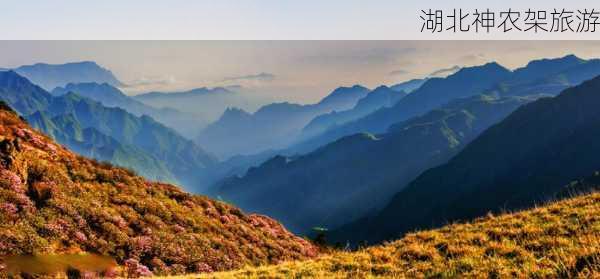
(381, 97)
(92, 143)
(273, 126)
(54, 202)
(348, 178)
(50, 76)
(557, 240)
(186, 124)
(409, 86)
(523, 160)
(184, 159)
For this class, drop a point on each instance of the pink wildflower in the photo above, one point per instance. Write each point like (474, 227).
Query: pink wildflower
(136, 269)
(202, 268)
(80, 237)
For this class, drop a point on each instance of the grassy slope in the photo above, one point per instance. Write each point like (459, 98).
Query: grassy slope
(55, 202)
(561, 239)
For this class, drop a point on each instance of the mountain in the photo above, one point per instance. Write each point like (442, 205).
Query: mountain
(434, 93)
(537, 69)
(184, 159)
(50, 76)
(351, 177)
(555, 82)
(206, 103)
(540, 77)
(381, 97)
(55, 203)
(153, 96)
(409, 86)
(556, 240)
(91, 143)
(186, 124)
(273, 126)
(344, 97)
(569, 71)
(521, 161)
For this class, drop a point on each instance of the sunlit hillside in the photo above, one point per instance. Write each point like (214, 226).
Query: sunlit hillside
(560, 240)
(58, 207)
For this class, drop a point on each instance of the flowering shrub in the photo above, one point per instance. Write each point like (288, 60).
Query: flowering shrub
(135, 269)
(52, 201)
(11, 181)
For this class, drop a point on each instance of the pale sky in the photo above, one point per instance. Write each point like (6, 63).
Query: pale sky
(297, 71)
(250, 19)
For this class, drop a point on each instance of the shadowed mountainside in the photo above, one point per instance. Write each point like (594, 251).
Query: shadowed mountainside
(521, 161)
(355, 175)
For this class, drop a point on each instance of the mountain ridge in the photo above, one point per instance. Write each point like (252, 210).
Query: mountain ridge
(50, 76)
(272, 126)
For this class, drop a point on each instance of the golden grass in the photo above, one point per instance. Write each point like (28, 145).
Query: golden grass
(559, 240)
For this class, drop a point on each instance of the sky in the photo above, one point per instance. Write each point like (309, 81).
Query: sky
(249, 19)
(295, 71)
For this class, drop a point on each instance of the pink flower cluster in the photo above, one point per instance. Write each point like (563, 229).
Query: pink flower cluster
(178, 229)
(269, 225)
(141, 243)
(136, 269)
(225, 219)
(9, 209)
(57, 227)
(202, 268)
(11, 181)
(35, 140)
(19, 132)
(80, 236)
(118, 221)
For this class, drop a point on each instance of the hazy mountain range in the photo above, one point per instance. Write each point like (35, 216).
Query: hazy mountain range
(381, 97)
(167, 149)
(353, 175)
(273, 126)
(207, 104)
(546, 76)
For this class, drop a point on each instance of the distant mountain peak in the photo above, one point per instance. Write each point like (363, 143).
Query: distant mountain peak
(485, 69)
(346, 95)
(409, 86)
(571, 58)
(234, 113)
(381, 87)
(200, 91)
(547, 66)
(235, 110)
(50, 76)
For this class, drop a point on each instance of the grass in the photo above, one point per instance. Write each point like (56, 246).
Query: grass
(558, 240)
